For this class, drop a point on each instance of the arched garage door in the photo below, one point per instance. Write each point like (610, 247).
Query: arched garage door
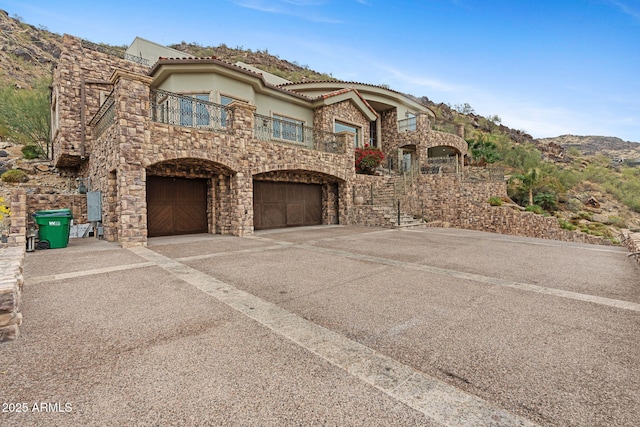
(176, 206)
(286, 204)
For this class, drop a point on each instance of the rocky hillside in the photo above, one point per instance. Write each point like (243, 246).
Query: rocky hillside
(614, 148)
(27, 53)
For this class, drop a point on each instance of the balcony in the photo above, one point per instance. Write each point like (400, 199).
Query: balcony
(294, 133)
(104, 118)
(181, 110)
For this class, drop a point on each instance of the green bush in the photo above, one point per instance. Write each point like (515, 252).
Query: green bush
(32, 151)
(618, 222)
(548, 200)
(535, 209)
(566, 225)
(495, 201)
(14, 175)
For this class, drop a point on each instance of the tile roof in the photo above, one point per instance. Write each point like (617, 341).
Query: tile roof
(215, 60)
(347, 90)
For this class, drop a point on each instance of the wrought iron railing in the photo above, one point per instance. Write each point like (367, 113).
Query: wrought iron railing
(448, 127)
(270, 129)
(137, 59)
(114, 51)
(488, 173)
(409, 124)
(181, 110)
(105, 117)
(439, 165)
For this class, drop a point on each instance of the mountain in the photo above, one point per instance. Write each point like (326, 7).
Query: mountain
(27, 53)
(612, 147)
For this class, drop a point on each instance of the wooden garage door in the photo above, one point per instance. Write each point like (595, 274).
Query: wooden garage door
(176, 206)
(286, 204)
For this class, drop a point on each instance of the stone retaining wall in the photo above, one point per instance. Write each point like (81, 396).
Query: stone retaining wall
(632, 242)
(11, 281)
(449, 200)
(40, 202)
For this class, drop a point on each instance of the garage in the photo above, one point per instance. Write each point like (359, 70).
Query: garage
(286, 204)
(176, 206)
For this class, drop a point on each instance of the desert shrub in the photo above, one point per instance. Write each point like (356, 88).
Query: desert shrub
(14, 175)
(547, 200)
(535, 209)
(566, 225)
(616, 221)
(584, 215)
(32, 151)
(495, 201)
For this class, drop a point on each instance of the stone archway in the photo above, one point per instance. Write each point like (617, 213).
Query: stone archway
(188, 195)
(288, 198)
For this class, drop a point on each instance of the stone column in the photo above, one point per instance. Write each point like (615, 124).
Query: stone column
(242, 121)
(242, 204)
(132, 123)
(345, 189)
(422, 122)
(18, 226)
(241, 191)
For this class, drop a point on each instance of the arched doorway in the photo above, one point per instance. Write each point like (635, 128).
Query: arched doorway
(294, 198)
(185, 196)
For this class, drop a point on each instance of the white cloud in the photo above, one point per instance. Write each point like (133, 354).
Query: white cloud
(416, 82)
(625, 8)
(297, 8)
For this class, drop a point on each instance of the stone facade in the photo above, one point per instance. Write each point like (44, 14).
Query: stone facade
(11, 281)
(38, 202)
(451, 200)
(81, 78)
(345, 111)
(632, 242)
(18, 227)
(135, 146)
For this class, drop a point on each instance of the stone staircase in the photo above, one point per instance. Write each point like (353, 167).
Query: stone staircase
(384, 201)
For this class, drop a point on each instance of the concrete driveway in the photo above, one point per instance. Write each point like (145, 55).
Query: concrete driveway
(332, 326)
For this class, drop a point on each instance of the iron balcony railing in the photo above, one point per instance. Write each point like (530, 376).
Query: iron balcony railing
(269, 129)
(484, 174)
(409, 124)
(114, 51)
(137, 59)
(104, 118)
(438, 165)
(181, 110)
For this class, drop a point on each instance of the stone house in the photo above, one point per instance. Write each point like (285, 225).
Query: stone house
(181, 145)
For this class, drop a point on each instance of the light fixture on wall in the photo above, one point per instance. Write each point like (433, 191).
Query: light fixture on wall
(83, 185)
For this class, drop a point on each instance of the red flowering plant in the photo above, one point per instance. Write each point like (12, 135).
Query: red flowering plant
(368, 159)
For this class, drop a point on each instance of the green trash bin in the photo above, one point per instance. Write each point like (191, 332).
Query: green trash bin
(54, 226)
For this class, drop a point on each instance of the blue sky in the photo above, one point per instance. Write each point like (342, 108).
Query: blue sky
(547, 67)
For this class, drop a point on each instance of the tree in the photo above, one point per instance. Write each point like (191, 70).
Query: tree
(483, 149)
(25, 114)
(464, 108)
(528, 181)
(495, 119)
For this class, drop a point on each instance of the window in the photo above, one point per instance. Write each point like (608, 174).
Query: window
(373, 134)
(341, 127)
(193, 112)
(287, 128)
(411, 121)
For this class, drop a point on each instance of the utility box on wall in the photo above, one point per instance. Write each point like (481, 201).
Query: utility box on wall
(94, 206)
